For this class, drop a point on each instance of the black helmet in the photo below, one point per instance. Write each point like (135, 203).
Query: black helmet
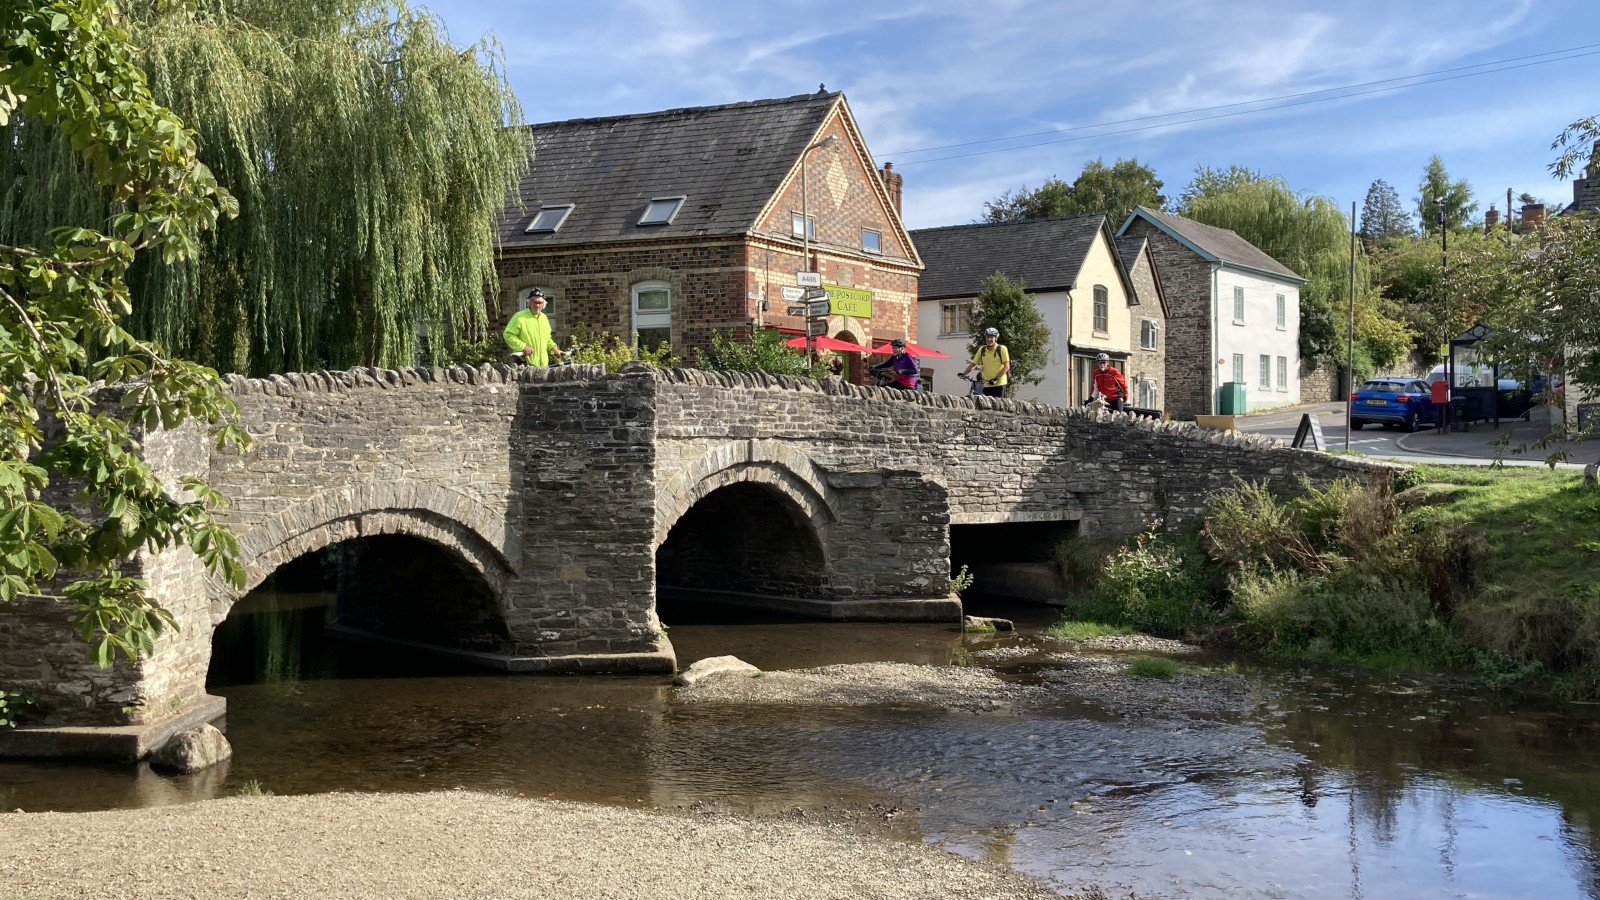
(897, 343)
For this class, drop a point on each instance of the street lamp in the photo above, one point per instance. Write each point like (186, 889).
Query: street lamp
(805, 227)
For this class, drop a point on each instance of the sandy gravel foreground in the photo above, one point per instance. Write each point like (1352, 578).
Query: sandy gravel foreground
(462, 845)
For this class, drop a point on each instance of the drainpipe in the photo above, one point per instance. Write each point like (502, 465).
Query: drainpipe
(1216, 306)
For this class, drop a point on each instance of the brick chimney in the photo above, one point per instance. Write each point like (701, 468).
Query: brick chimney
(1491, 219)
(1586, 187)
(1532, 216)
(892, 181)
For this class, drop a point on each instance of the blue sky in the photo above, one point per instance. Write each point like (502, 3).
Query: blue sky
(922, 75)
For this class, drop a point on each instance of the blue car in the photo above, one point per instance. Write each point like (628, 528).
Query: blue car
(1406, 402)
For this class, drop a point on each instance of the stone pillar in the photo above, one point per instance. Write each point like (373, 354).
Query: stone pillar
(889, 552)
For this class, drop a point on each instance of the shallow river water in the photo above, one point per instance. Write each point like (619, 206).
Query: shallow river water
(1330, 786)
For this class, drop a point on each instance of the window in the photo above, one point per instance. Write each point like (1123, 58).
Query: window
(802, 227)
(1283, 314)
(1283, 373)
(871, 241)
(548, 218)
(1148, 397)
(652, 314)
(661, 210)
(1238, 306)
(1102, 306)
(1238, 367)
(1266, 372)
(1149, 335)
(955, 318)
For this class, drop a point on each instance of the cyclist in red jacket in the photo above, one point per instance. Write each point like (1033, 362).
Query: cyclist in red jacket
(1109, 383)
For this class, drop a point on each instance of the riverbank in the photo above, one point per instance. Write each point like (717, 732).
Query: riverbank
(456, 845)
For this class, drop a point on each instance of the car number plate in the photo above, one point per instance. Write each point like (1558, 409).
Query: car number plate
(1377, 402)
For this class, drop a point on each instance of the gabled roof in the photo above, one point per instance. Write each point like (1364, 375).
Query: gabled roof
(1214, 244)
(1129, 248)
(1046, 254)
(728, 161)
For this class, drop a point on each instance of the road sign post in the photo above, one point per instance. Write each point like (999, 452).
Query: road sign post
(817, 309)
(792, 294)
(816, 328)
(808, 279)
(796, 310)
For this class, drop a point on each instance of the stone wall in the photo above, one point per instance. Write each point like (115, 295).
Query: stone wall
(1147, 364)
(1186, 278)
(1322, 384)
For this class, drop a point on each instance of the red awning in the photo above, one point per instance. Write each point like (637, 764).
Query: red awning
(827, 343)
(914, 350)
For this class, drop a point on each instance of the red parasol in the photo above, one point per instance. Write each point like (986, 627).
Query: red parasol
(915, 350)
(827, 343)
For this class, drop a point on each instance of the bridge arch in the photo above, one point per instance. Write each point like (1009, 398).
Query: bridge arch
(778, 467)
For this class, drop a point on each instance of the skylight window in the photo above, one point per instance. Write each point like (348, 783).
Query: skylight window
(549, 218)
(661, 210)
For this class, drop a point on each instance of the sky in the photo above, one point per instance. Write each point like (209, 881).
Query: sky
(929, 80)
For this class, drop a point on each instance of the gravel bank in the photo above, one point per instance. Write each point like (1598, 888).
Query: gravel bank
(461, 846)
(863, 684)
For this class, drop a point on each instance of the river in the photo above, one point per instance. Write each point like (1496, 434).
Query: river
(1330, 785)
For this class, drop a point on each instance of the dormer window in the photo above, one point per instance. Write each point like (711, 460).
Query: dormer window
(661, 210)
(549, 218)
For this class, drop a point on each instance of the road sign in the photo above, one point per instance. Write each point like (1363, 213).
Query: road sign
(808, 279)
(793, 294)
(816, 309)
(816, 327)
(815, 293)
(796, 310)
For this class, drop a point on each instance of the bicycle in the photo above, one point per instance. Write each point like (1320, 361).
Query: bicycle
(975, 388)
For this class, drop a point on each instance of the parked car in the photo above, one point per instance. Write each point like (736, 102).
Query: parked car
(1405, 402)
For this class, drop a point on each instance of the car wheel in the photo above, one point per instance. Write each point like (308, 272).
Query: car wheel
(1357, 424)
(1411, 423)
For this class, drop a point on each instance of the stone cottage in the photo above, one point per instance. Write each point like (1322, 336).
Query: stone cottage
(678, 225)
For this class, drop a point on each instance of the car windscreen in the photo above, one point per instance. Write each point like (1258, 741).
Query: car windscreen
(1393, 387)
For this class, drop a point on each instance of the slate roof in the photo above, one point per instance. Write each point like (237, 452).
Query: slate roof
(1218, 244)
(1046, 254)
(727, 160)
(1129, 247)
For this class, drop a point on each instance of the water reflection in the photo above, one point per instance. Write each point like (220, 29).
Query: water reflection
(1335, 787)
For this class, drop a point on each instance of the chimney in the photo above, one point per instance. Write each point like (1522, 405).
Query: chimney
(1586, 187)
(1491, 219)
(1532, 216)
(892, 182)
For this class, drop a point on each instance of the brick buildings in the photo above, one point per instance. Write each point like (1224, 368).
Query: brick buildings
(682, 224)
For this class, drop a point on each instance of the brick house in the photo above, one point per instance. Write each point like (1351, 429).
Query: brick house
(1234, 315)
(677, 225)
(1147, 362)
(1074, 270)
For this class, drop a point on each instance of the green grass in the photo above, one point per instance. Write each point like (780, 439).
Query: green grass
(1152, 667)
(252, 788)
(1070, 628)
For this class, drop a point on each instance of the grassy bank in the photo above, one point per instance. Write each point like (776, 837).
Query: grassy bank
(1494, 570)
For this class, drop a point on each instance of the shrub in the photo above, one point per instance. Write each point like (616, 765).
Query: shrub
(1159, 583)
(765, 352)
(1080, 561)
(591, 347)
(1357, 612)
(1249, 528)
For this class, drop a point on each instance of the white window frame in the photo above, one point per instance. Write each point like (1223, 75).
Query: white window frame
(1149, 395)
(671, 212)
(1283, 313)
(651, 318)
(563, 209)
(1149, 334)
(873, 246)
(1238, 305)
(796, 229)
(1102, 310)
(1238, 368)
(1266, 372)
(965, 318)
(1283, 373)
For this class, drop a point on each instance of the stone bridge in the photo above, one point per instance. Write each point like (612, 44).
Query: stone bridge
(566, 498)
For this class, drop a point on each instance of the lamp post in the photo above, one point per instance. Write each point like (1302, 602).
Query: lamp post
(805, 227)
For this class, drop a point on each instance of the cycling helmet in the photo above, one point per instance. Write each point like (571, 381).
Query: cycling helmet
(897, 343)
(991, 332)
(535, 293)
(1104, 357)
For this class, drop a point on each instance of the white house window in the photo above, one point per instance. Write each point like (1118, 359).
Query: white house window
(1266, 372)
(661, 210)
(548, 218)
(802, 226)
(1238, 368)
(1148, 397)
(1283, 313)
(1283, 373)
(1149, 335)
(525, 293)
(871, 241)
(1102, 307)
(1238, 306)
(955, 318)
(652, 314)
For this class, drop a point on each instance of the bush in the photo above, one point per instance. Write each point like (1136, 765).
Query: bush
(1080, 561)
(1355, 613)
(1159, 583)
(765, 352)
(603, 348)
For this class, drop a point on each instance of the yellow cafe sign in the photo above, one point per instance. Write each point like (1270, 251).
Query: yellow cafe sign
(843, 301)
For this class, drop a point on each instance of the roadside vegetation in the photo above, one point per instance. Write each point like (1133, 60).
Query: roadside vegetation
(1496, 571)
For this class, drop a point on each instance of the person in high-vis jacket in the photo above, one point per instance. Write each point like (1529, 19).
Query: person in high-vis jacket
(993, 362)
(528, 332)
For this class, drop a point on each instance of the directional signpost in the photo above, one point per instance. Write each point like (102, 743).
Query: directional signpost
(797, 310)
(816, 327)
(792, 294)
(817, 309)
(808, 279)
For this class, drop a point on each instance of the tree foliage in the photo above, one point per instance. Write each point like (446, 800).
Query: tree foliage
(369, 156)
(1209, 182)
(1383, 218)
(1006, 306)
(764, 352)
(1459, 206)
(1579, 145)
(76, 499)
(1311, 236)
(1114, 190)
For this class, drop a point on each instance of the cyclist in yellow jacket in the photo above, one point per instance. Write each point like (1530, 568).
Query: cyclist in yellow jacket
(993, 361)
(528, 332)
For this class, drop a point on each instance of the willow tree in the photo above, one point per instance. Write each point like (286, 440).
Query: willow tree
(1310, 235)
(369, 156)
